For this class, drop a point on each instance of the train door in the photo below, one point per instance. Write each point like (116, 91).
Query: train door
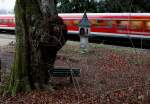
(137, 26)
(147, 26)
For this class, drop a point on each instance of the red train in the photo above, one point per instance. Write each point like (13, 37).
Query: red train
(7, 22)
(121, 25)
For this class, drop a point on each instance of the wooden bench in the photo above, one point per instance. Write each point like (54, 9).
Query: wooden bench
(65, 72)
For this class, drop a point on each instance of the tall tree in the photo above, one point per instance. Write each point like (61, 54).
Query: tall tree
(40, 33)
(99, 6)
(76, 6)
(123, 6)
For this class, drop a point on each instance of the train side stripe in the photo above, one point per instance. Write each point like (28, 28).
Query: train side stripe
(9, 28)
(112, 34)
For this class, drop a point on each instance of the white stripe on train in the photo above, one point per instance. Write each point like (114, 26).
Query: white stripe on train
(8, 28)
(114, 34)
(104, 34)
(104, 14)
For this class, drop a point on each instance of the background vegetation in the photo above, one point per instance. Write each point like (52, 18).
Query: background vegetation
(98, 6)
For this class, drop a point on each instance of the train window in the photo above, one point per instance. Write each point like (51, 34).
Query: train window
(122, 24)
(102, 23)
(76, 22)
(136, 25)
(105, 23)
(148, 25)
(5, 21)
(93, 22)
(11, 20)
(68, 22)
(8, 21)
(110, 23)
(0, 21)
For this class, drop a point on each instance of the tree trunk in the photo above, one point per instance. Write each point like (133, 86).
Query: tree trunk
(40, 33)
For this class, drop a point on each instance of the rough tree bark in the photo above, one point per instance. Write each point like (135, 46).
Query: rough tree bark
(40, 33)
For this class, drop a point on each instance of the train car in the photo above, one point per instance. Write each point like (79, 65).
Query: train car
(103, 25)
(121, 25)
(7, 22)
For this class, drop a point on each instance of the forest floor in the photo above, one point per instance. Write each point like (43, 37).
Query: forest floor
(109, 75)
